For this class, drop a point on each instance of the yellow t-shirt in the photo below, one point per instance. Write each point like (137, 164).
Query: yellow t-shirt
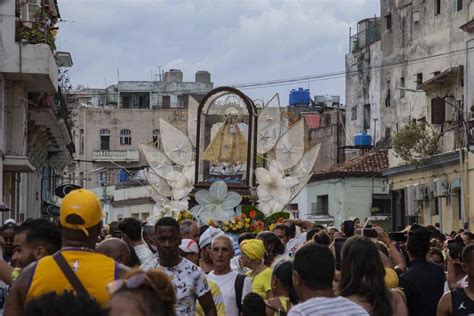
(218, 300)
(94, 270)
(262, 283)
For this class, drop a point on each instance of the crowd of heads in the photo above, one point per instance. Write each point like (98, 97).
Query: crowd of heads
(297, 260)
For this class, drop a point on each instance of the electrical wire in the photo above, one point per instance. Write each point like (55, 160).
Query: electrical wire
(315, 77)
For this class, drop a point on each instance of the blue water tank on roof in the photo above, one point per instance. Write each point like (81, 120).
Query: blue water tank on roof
(299, 96)
(363, 140)
(123, 176)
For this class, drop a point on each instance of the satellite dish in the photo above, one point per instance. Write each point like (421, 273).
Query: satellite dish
(64, 189)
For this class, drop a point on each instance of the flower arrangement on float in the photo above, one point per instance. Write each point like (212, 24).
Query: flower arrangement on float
(251, 220)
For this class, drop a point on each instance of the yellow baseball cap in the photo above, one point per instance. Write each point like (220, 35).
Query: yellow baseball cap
(80, 210)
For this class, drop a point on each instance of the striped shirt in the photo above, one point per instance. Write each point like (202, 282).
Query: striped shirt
(327, 306)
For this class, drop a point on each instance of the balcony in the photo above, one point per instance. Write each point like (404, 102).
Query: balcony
(115, 155)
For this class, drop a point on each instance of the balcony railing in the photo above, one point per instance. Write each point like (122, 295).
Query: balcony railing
(116, 155)
(40, 28)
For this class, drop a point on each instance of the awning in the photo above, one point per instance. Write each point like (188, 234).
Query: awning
(468, 27)
(442, 80)
(17, 164)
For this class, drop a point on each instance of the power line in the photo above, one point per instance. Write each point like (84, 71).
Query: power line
(316, 77)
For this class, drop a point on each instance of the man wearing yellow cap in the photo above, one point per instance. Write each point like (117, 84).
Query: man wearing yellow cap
(252, 254)
(76, 267)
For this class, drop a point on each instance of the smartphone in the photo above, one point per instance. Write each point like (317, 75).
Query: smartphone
(338, 243)
(398, 236)
(455, 248)
(369, 232)
(348, 228)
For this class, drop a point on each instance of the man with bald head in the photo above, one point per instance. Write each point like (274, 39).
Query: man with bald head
(116, 249)
(222, 251)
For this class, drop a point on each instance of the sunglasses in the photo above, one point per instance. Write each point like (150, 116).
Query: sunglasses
(134, 282)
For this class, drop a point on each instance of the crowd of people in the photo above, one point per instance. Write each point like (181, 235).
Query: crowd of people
(76, 267)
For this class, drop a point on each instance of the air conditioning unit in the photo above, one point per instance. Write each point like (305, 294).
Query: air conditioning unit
(420, 192)
(411, 204)
(440, 187)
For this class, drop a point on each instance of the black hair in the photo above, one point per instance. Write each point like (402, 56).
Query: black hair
(43, 232)
(131, 227)
(436, 251)
(310, 256)
(283, 271)
(292, 230)
(253, 305)
(468, 253)
(322, 238)
(271, 240)
(283, 227)
(134, 261)
(310, 234)
(418, 243)
(52, 304)
(245, 236)
(168, 222)
(362, 273)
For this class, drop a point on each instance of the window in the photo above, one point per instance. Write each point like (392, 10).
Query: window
(388, 97)
(104, 139)
(388, 21)
(459, 5)
(321, 207)
(81, 141)
(438, 111)
(388, 132)
(416, 17)
(437, 7)
(402, 85)
(156, 138)
(354, 113)
(125, 137)
(366, 116)
(419, 80)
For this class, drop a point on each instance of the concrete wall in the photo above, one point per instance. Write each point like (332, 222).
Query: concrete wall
(348, 197)
(404, 49)
(363, 87)
(449, 205)
(140, 122)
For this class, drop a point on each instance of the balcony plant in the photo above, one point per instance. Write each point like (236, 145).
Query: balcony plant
(416, 142)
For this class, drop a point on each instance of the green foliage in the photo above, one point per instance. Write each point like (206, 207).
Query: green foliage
(276, 216)
(416, 142)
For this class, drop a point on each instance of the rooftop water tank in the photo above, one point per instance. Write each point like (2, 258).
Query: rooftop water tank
(299, 96)
(363, 140)
(123, 176)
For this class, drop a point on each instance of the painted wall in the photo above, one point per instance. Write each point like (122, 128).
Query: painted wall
(348, 197)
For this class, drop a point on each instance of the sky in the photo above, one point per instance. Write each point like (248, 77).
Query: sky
(237, 41)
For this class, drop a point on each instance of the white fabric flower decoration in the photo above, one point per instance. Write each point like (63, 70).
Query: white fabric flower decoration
(274, 189)
(217, 203)
(181, 183)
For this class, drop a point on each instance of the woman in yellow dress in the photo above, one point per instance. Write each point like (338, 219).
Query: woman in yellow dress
(252, 254)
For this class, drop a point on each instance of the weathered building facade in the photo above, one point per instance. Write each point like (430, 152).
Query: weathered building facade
(420, 69)
(109, 129)
(35, 139)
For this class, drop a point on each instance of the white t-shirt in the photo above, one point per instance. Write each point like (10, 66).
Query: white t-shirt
(188, 280)
(330, 306)
(226, 283)
(294, 243)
